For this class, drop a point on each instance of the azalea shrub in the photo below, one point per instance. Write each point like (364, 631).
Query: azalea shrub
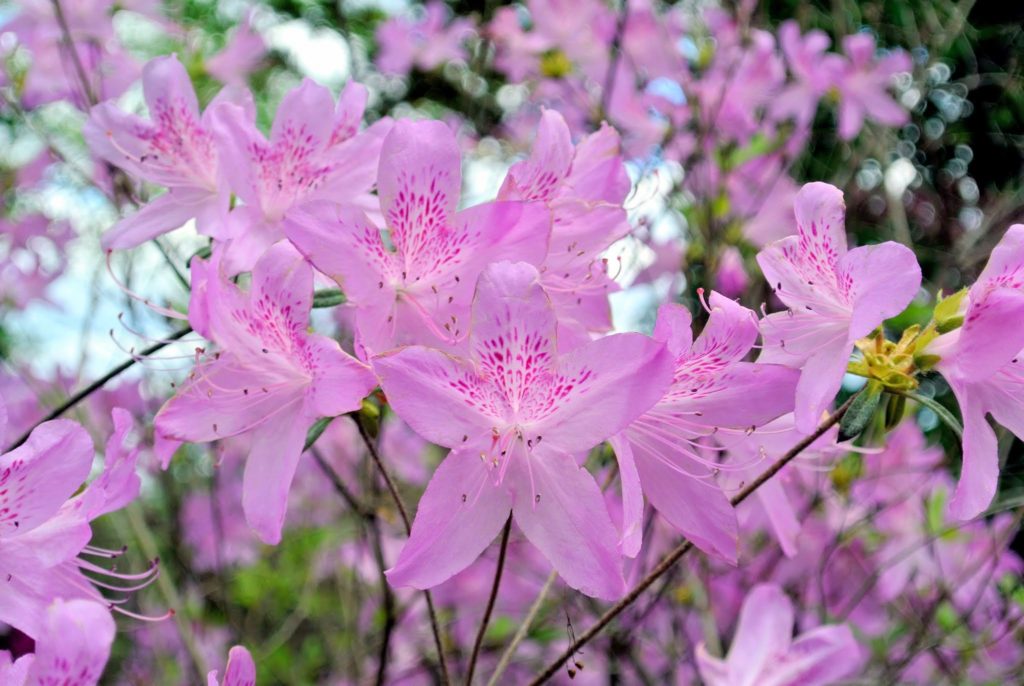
(555, 342)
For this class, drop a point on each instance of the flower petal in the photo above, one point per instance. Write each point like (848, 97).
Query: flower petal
(269, 470)
(439, 396)
(38, 476)
(883, 280)
(561, 510)
(458, 516)
(764, 632)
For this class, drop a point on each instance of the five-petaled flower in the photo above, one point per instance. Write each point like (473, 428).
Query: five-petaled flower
(271, 378)
(416, 285)
(518, 416)
(834, 296)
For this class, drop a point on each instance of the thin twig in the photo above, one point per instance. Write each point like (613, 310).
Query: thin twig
(69, 43)
(524, 628)
(98, 384)
(371, 522)
(490, 602)
(435, 625)
(670, 559)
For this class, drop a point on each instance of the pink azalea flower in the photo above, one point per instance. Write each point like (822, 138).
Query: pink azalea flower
(864, 86)
(713, 392)
(271, 379)
(982, 362)
(764, 653)
(241, 670)
(814, 71)
(72, 648)
(315, 152)
(731, 278)
(175, 148)
(43, 530)
(419, 290)
(834, 297)
(425, 43)
(241, 56)
(585, 187)
(515, 414)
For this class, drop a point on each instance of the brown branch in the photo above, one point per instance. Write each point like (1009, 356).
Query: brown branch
(669, 560)
(490, 601)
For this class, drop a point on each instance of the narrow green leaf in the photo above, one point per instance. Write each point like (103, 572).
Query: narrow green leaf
(945, 415)
(328, 297)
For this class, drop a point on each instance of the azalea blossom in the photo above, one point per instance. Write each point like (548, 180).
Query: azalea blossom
(714, 396)
(517, 415)
(982, 362)
(764, 653)
(425, 43)
(815, 71)
(174, 148)
(45, 532)
(864, 84)
(72, 647)
(415, 285)
(835, 296)
(241, 670)
(585, 187)
(271, 378)
(315, 152)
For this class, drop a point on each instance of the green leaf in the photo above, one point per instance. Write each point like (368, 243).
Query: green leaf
(861, 411)
(945, 415)
(315, 431)
(328, 297)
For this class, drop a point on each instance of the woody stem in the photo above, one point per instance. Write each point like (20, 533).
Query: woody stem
(435, 626)
(490, 601)
(683, 548)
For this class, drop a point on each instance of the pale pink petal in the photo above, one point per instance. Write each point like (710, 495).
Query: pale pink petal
(560, 509)
(269, 470)
(539, 176)
(340, 381)
(986, 343)
(605, 386)
(685, 494)
(819, 383)
(674, 326)
(38, 476)
(439, 396)
(419, 182)
(979, 471)
(764, 633)
(74, 645)
(820, 219)
(883, 280)
(346, 246)
(241, 670)
(781, 516)
(458, 516)
(165, 213)
(1005, 266)
(632, 496)
(168, 90)
(821, 657)
(119, 483)
(713, 671)
(224, 398)
(742, 395)
(303, 122)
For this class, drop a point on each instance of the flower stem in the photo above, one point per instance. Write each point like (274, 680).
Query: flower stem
(98, 384)
(490, 601)
(683, 548)
(435, 626)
